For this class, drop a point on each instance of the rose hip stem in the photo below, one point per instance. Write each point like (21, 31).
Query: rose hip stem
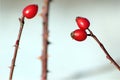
(16, 48)
(103, 48)
(44, 56)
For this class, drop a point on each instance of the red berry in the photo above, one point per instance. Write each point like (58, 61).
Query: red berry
(79, 35)
(30, 11)
(83, 23)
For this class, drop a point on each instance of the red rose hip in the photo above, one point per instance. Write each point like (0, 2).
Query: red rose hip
(79, 35)
(30, 11)
(83, 23)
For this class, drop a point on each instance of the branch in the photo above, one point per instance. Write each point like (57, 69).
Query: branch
(44, 56)
(103, 48)
(16, 48)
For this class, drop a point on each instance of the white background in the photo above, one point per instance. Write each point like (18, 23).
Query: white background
(68, 59)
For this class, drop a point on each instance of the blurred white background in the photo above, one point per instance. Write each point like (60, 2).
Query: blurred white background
(68, 59)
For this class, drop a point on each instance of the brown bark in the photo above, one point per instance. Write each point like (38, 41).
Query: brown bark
(44, 56)
(16, 48)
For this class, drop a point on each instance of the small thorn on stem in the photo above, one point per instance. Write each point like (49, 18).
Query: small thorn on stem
(39, 58)
(17, 42)
(41, 14)
(48, 42)
(108, 57)
(9, 67)
(14, 45)
(48, 71)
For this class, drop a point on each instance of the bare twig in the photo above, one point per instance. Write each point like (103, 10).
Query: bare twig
(16, 48)
(44, 56)
(103, 48)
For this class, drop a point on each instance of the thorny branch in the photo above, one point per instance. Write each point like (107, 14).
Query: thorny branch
(16, 48)
(103, 48)
(44, 56)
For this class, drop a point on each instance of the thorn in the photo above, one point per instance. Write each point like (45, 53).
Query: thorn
(48, 71)
(14, 45)
(108, 57)
(41, 15)
(14, 65)
(48, 42)
(17, 42)
(9, 67)
(39, 57)
(20, 19)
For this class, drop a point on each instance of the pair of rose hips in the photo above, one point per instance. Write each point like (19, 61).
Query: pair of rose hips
(80, 34)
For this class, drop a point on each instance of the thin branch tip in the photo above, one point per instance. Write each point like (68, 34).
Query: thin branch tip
(21, 20)
(103, 48)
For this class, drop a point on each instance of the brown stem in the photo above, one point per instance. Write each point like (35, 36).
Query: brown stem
(103, 48)
(44, 56)
(16, 48)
